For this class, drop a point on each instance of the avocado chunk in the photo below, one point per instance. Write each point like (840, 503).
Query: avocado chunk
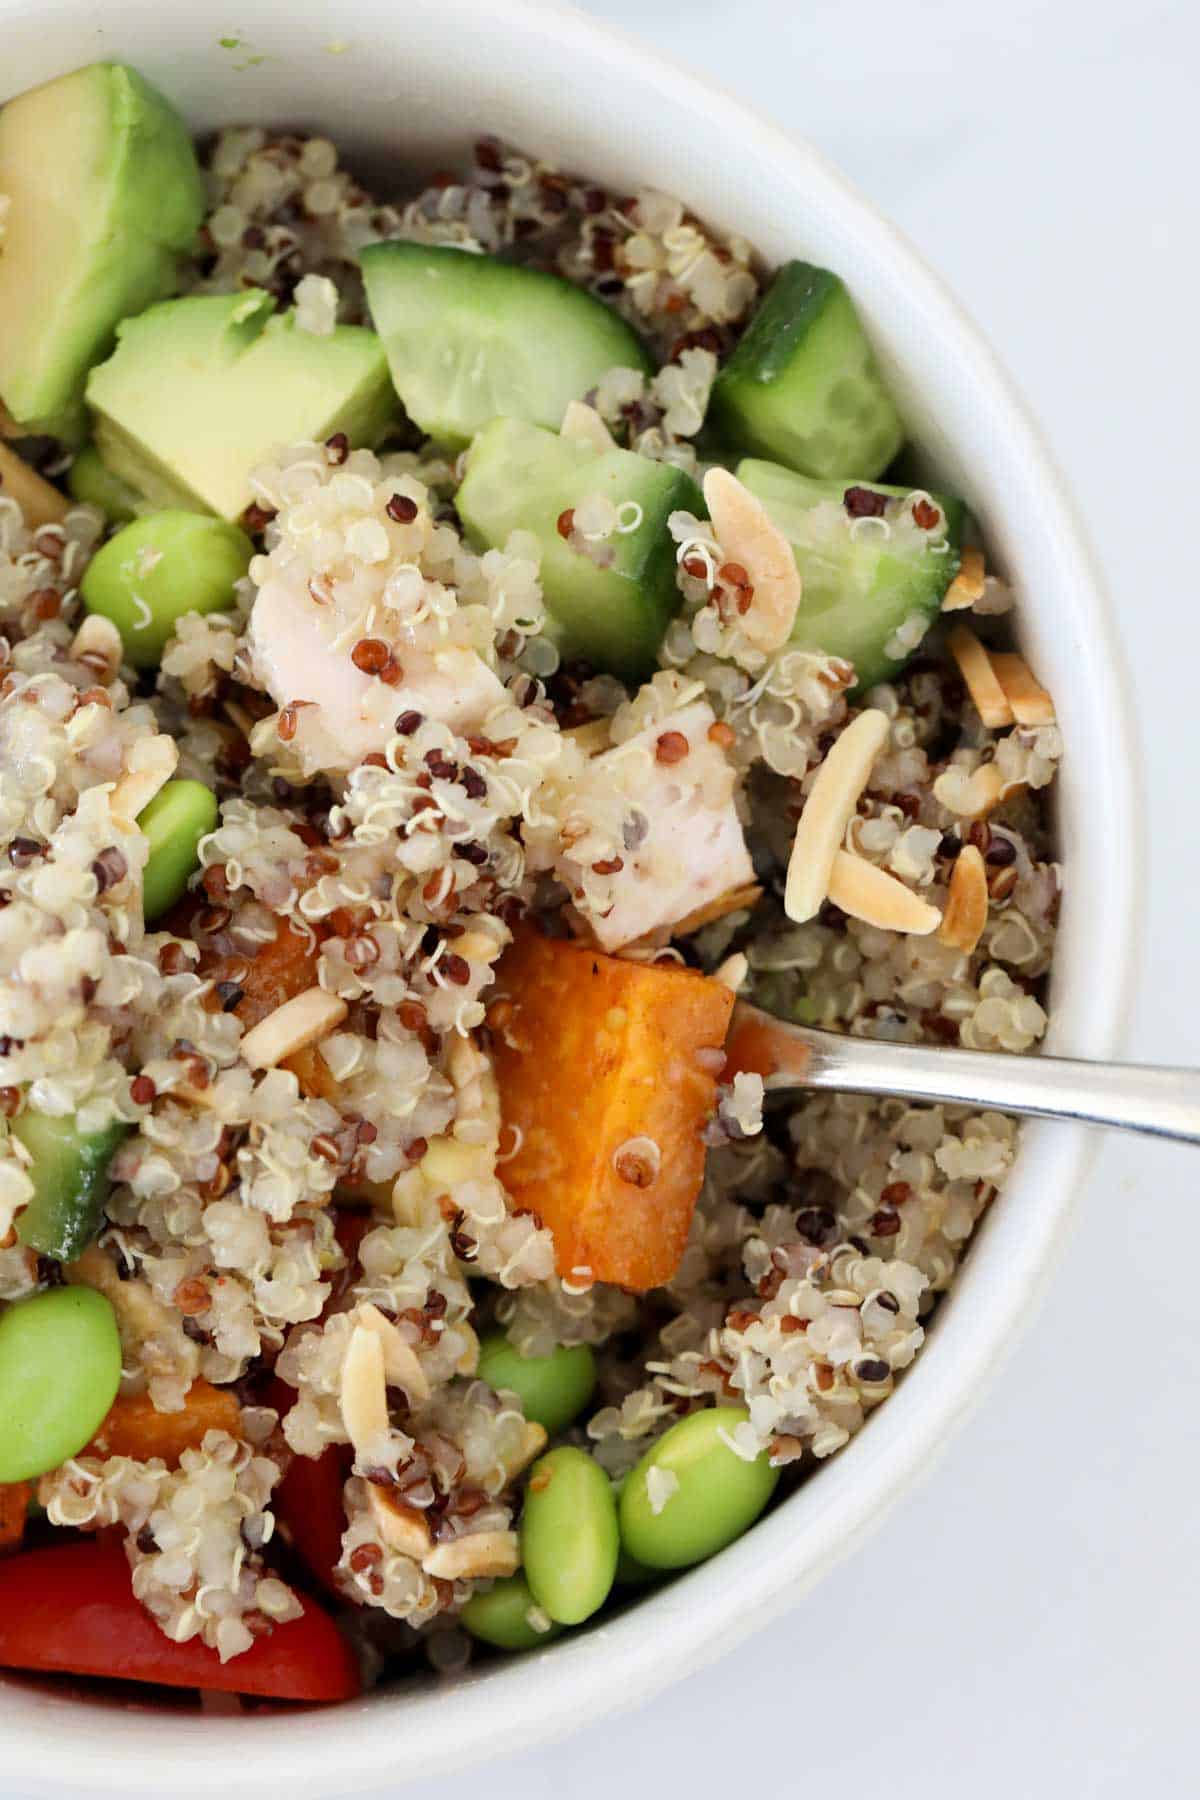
(612, 606)
(104, 196)
(199, 391)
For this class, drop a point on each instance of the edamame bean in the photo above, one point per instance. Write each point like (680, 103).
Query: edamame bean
(91, 481)
(502, 1616)
(552, 1389)
(180, 814)
(159, 567)
(60, 1364)
(632, 1573)
(569, 1535)
(718, 1494)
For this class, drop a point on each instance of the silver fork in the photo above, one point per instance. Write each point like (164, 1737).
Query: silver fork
(1155, 1101)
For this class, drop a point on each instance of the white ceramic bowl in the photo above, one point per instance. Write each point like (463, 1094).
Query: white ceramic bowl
(412, 84)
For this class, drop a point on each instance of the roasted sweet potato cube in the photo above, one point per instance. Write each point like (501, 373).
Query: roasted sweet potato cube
(278, 971)
(607, 1071)
(132, 1426)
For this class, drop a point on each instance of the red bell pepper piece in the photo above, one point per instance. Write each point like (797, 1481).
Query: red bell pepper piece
(14, 1503)
(308, 1504)
(71, 1609)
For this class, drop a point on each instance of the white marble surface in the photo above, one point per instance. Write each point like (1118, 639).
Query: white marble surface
(1026, 1623)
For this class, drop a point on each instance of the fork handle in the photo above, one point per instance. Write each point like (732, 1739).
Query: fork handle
(1157, 1102)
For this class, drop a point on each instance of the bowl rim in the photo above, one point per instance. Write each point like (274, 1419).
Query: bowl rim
(626, 1660)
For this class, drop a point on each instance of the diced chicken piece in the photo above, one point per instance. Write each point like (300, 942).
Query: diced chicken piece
(671, 787)
(300, 653)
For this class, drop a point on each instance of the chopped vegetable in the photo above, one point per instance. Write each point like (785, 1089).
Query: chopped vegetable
(552, 1389)
(69, 1170)
(60, 1364)
(133, 1427)
(569, 1535)
(802, 384)
(14, 1504)
(708, 1495)
(71, 1609)
(606, 1074)
(180, 814)
(277, 972)
(502, 1615)
(471, 337)
(159, 567)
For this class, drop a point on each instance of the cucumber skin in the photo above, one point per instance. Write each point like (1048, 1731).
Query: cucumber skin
(582, 600)
(776, 395)
(70, 1178)
(536, 318)
(920, 583)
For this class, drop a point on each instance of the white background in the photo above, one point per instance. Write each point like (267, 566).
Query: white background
(1027, 1624)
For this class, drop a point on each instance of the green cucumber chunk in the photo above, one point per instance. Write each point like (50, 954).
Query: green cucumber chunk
(69, 1171)
(873, 581)
(199, 391)
(552, 1389)
(105, 195)
(613, 616)
(500, 1615)
(60, 1366)
(180, 814)
(470, 338)
(93, 483)
(802, 385)
(159, 567)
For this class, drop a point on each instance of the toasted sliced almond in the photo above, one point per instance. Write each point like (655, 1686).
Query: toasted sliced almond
(99, 640)
(151, 765)
(40, 503)
(141, 1315)
(363, 1392)
(975, 665)
(749, 536)
(299, 1022)
(447, 1162)
(401, 1364)
(732, 972)
(533, 1442)
(739, 899)
(472, 1557)
(238, 716)
(828, 810)
(968, 585)
(195, 1096)
(967, 904)
(1030, 703)
(585, 426)
(591, 738)
(983, 792)
(468, 1361)
(877, 898)
(478, 946)
(401, 1527)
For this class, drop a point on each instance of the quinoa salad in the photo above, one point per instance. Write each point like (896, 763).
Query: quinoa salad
(457, 644)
